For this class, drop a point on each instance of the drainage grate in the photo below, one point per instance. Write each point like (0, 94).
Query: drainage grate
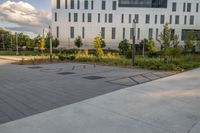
(93, 77)
(35, 67)
(66, 73)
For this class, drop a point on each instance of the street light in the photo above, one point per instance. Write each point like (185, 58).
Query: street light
(133, 45)
(16, 37)
(51, 51)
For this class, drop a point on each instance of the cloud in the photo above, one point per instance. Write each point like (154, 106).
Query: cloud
(27, 17)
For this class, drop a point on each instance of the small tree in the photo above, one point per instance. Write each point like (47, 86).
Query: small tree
(78, 42)
(175, 41)
(124, 46)
(151, 47)
(144, 46)
(42, 46)
(103, 44)
(189, 41)
(98, 41)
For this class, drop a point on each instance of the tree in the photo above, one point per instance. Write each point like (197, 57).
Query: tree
(151, 47)
(78, 42)
(98, 41)
(42, 47)
(175, 41)
(189, 41)
(55, 42)
(103, 44)
(124, 46)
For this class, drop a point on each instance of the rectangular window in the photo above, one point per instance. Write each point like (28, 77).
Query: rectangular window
(122, 18)
(71, 32)
(103, 5)
(197, 7)
(66, 4)
(147, 19)
(55, 16)
(173, 6)
(110, 18)
(184, 7)
(150, 33)
(69, 17)
(157, 33)
(124, 33)
(185, 20)
(72, 4)
(170, 19)
(114, 5)
(78, 4)
(83, 32)
(130, 18)
(57, 31)
(172, 33)
(162, 19)
(58, 4)
(83, 17)
(156, 19)
(89, 17)
(75, 17)
(86, 4)
(103, 32)
(177, 19)
(99, 17)
(106, 16)
(113, 33)
(131, 33)
(92, 4)
(189, 6)
(191, 20)
(137, 18)
(138, 34)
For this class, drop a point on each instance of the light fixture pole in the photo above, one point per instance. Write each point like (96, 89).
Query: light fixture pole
(16, 37)
(50, 41)
(133, 45)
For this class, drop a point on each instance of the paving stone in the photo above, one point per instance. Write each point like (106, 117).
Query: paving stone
(140, 79)
(160, 74)
(125, 81)
(151, 76)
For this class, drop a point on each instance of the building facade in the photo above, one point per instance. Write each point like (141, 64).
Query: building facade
(113, 20)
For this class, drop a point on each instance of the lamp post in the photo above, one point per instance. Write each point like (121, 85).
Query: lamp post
(50, 41)
(133, 45)
(16, 37)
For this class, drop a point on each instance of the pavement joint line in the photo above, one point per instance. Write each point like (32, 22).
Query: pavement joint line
(193, 127)
(130, 117)
(134, 79)
(119, 83)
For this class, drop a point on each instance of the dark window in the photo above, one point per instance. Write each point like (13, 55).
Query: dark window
(130, 18)
(138, 35)
(92, 4)
(189, 6)
(174, 6)
(147, 19)
(103, 5)
(65, 4)
(137, 18)
(55, 17)
(57, 31)
(58, 4)
(83, 17)
(75, 17)
(83, 32)
(131, 33)
(89, 17)
(122, 18)
(185, 33)
(177, 19)
(170, 19)
(110, 18)
(99, 17)
(191, 20)
(86, 4)
(172, 33)
(78, 4)
(197, 7)
(162, 19)
(71, 32)
(184, 7)
(124, 33)
(185, 20)
(106, 18)
(69, 17)
(156, 19)
(143, 3)
(72, 4)
(150, 33)
(113, 33)
(114, 5)
(157, 33)
(103, 32)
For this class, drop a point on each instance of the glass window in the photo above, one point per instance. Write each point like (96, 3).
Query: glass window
(83, 17)
(89, 17)
(78, 4)
(75, 17)
(162, 19)
(189, 6)
(185, 20)
(86, 4)
(124, 33)
(191, 20)
(197, 7)
(174, 6)
(72, 4)
(131, 33)
(157, 33)
(83, 32)
(130, 18)
(99, 17)
(110, 18)
(105, 18)
(71, 32)
(147, 19)
(55, 16)
(138, 34)
(103, 5)
(137, 18)
(65, 4)
(57, 31)
(114, 5)
(170, 19)
(150, 33)
(113, 33)
(92, 4)
(122, 18)
(58, 4)
(103, 32)
(177, 19)
(69, 17)
(156, 19)
(184, 7)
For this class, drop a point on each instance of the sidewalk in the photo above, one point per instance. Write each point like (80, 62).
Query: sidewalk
(169, 105)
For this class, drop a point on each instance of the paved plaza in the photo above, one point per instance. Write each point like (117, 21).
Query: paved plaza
(165, 105)
(30, 89)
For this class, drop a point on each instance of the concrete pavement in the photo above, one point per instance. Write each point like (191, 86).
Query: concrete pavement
(168, 105)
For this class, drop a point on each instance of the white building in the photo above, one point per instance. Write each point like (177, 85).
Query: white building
(113, 19)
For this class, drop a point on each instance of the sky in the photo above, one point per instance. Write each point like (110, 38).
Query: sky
(27, 16)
